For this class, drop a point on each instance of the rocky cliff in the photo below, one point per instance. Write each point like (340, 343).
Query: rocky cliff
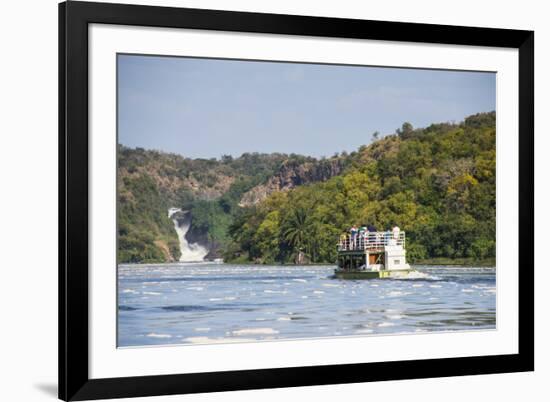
(292, 174)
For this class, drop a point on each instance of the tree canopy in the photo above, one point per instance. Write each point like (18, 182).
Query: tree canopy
(436, 183)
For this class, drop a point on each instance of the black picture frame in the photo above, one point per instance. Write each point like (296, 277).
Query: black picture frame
(74, 18)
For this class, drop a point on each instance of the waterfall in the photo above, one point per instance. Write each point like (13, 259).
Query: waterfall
(190, 252)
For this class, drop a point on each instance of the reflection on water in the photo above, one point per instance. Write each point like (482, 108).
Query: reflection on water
(207, 303)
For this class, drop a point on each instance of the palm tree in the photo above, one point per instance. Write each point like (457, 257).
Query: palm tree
(295, 229)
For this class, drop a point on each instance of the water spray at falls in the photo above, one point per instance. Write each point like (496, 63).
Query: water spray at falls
(190, 252)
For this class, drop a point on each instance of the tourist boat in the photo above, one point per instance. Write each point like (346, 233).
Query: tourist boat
(372, 255)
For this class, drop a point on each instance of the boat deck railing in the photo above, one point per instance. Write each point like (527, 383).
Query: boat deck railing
(371, 241)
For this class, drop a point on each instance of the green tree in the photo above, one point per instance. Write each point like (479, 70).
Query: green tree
(296, 229)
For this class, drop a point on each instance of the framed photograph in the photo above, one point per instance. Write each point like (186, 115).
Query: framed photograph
(257, 201)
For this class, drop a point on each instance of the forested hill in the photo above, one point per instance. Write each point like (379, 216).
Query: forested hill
(437, 183)
(213, 190)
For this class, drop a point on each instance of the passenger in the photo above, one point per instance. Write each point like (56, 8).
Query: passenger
(353, 231)
(371, 230)
(387, 238)
(362, 231)
(395, 232)
(342, 244)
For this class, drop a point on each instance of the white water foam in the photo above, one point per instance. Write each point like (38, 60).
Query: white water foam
(207, 340)
(255, 331)
(154, 335)
(190, 252)
(129, 291)
(417, 275)
(395, 293)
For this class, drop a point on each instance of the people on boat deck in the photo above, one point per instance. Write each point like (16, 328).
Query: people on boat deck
(368, 234)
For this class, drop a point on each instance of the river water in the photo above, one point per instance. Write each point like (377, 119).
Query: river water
(207, 303)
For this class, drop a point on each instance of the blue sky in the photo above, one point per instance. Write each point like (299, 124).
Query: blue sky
(206, 108)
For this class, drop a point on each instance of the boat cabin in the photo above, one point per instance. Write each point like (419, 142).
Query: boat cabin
(372, 252)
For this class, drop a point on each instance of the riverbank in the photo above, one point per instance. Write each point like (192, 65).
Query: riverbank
(441, 261)
(468, 262)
